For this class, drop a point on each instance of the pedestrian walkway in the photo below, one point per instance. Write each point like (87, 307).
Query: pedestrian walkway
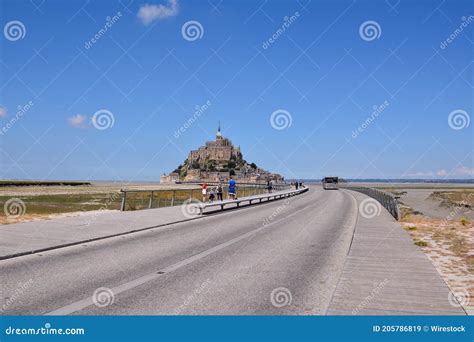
(30, 237)
(386, 274)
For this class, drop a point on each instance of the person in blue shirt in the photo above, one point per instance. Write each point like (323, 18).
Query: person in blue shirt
(232, 189)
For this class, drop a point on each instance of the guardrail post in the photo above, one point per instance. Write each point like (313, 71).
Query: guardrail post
(150, 205)
(124, 199)
(172, 197)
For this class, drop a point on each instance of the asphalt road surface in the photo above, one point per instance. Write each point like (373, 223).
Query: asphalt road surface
(281, 257)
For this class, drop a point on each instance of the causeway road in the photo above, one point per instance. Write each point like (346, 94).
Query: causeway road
(285, 257)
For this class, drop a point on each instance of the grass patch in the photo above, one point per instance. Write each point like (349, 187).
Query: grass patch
(76, 202)
(421, 243)
(5, 183)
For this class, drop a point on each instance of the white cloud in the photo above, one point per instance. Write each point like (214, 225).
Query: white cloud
(464, 171)
(421, 174)
(442, 173)
(149, 13)
(78, 121)
(461, 171)
(3, 112)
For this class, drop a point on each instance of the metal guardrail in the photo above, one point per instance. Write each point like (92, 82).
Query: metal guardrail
(242, 188)
(259, 198)
(276, 186)
(386, 199)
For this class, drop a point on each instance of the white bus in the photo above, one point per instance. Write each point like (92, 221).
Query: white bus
(330, 183)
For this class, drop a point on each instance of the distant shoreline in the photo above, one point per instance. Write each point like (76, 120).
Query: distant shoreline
(6, 183)
(20, 183)
(398, 181)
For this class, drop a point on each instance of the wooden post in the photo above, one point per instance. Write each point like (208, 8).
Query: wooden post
(124, 199)
(150, 205)
(172, 198)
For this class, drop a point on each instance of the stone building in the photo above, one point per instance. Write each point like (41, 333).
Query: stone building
(219, 151)
(216, 161)
(173, 177)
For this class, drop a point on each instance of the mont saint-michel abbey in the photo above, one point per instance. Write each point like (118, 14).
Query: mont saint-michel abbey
(216, 161)
(221, 150)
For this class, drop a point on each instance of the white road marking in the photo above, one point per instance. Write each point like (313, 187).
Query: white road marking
(84, 303)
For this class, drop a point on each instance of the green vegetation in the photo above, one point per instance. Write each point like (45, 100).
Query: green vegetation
(464, 221)
(407, 212)
(464, 196)
(421, 243)
(67, 203)
(411, 228)
(4, 183)
(55, 204)
(211, 165)
(231, 164)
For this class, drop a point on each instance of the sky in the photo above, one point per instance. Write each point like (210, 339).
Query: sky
(123, 90)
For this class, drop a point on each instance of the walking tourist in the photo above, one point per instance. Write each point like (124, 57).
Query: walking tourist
(204, 192)
(211, 195)
(232, 189)
(269, 186)
(219, 192)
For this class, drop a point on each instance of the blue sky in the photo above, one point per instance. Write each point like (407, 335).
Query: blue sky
(309, 62)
